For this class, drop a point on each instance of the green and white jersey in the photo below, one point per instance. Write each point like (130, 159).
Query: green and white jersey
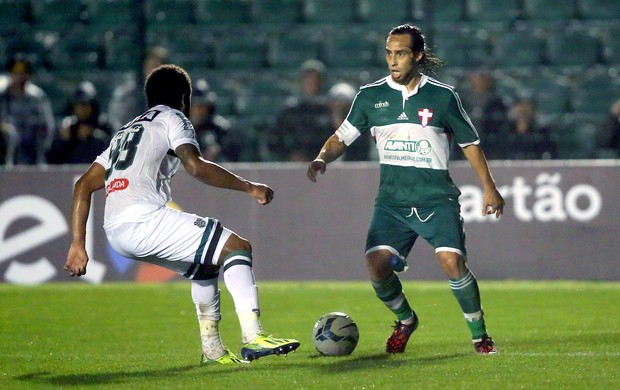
(413, 131)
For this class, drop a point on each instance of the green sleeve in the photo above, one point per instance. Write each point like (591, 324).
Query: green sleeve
(357, 115)
(458, 123)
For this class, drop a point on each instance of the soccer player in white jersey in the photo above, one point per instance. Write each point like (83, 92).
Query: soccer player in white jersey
(413, 119)
(135, 171)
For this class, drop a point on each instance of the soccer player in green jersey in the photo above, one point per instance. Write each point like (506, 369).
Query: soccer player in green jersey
(413, 119)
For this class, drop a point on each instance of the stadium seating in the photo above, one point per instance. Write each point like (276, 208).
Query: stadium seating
(439, 12)
(611, 45)
(190, 46)
(169, 14)
(276, 13)
(14, 15)
(287, 50)
(223, 12)
(73, 52)
(56, 14)
(329, 11)
(485, 11)
(544, 48)
(572, 47)
(519, 48)
(240, 50)
(376, 13)
(461, 47)
(559, 11)
(592, 10)
(574, 137)
(548, 90)
(120, 50)
(29, 46)
(57, 89)
(105, 82)
(550, 93)
(109, 15)
(358, 49)
(594, 93)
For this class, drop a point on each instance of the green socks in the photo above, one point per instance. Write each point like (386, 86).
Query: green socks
(466, 291)
(390, 292)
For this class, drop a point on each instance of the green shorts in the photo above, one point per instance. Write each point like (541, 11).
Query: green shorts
(397, 228)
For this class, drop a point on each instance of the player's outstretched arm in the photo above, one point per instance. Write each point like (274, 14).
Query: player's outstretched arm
(331, 150)
(215, 175)
(92, 180)
(492, 200)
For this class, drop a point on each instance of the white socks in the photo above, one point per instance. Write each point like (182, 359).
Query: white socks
(250, 326)
(206, 297)
(239, 280)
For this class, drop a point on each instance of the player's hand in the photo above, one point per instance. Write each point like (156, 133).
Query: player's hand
(492, 203)
(262, 192)
(77, 258)
(315, 166)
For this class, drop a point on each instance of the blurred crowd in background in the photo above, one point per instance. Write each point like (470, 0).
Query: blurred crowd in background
(273, 79)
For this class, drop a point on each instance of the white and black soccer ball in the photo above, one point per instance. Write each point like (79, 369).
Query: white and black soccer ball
(335, 334)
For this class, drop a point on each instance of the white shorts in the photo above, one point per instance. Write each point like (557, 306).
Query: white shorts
(181, 242)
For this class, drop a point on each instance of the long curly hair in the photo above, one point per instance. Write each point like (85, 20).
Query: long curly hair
(429, 64)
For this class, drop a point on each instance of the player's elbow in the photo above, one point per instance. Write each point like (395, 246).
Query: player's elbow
(192, 167)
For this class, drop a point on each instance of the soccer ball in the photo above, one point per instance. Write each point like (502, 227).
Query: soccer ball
(335, 334)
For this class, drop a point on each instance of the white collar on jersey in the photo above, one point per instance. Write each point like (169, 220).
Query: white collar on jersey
(394, 85)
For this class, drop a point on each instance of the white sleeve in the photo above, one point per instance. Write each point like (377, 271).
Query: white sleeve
(181, 130)
(347, 133)
(104, 158)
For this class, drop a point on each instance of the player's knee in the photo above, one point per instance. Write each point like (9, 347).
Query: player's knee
(452, 264)
(235, 244)
(377, 263)
(243, 245)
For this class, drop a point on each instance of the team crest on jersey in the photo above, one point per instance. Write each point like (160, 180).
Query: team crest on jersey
(425, 116)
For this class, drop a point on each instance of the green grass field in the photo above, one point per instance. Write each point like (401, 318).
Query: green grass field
(556, 335)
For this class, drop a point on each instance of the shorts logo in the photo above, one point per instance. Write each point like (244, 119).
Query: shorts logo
(200, 223)
(425, 116)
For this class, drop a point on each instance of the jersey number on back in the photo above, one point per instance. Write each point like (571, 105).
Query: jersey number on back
(124, 147)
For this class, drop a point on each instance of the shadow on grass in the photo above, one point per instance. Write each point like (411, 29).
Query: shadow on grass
(382, 360)
(327, 365)
(115, 377)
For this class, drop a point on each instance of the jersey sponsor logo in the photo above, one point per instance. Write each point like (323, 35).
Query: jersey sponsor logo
(425, 116)
(382, 104)
(116, 185)
(147, 116)
(402, 117)
(422, 147)
(200, 223)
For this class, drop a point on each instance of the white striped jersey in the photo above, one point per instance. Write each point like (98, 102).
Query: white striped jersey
(140, 162)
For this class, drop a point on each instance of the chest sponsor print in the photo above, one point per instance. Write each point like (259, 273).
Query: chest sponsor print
(422, 147)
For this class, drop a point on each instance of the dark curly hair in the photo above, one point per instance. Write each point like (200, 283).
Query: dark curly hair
(429, 64)
(167, 84)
